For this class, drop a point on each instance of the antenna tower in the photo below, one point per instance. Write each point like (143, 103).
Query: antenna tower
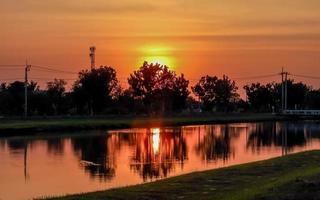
(93, 56)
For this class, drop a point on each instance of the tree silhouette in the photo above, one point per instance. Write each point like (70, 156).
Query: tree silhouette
(262, 97)
(213, 91)
(153, 89)
(159, 88)
(313, 99)
(95, 89)
(56, 94)
(6, 100)
(12, 97)
(297, 93)
(180, 93)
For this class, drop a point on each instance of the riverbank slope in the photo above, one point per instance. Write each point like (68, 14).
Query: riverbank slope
(290, 177)
(31, 126)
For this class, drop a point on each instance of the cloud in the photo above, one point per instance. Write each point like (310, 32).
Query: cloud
(213, 37)
(275, 23)
(77, 6)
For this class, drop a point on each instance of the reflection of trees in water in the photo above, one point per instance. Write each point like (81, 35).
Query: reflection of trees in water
(263, 134)
(215, 144)
(55, 146)
(2, 144)
(285, 134)
(16, 145)
(312, 129)
(295, 134)
(97, 154)
(20, 146)
(157, 152)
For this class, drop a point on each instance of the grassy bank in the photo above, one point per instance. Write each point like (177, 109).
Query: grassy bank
(8, 127)
(279, 178)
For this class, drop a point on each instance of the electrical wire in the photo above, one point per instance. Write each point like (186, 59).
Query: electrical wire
(11, 69)
(11, 79)
(12, 65)
(53, 69)
(48, 68)
(256, 77)
(49, 79)
(306, 76)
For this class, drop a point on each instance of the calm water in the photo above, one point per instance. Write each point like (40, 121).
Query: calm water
(89, 161)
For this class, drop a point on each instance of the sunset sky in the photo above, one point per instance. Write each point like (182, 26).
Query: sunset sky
(235, 37)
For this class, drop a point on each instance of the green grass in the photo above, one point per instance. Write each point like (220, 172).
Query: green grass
(271, 179)
(39, 125)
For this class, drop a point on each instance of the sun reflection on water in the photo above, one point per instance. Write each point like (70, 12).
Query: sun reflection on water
(155, 140)
(134, 156)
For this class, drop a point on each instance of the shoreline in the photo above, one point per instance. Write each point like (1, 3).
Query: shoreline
(14, 127)
(268, 179)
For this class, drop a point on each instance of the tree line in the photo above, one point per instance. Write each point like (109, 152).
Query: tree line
(153, 89)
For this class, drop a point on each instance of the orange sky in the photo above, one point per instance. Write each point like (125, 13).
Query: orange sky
(234, 37)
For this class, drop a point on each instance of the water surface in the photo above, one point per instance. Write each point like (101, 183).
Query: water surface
(95, 160)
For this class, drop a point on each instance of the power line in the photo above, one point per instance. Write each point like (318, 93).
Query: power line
(11, 68)
(242, 78)
(306, 76)
(11, 65)
(49, 79)
(10, 79)
(256, 77)
(14, 67)
(37, 67)
(53, 69)
(49, 68)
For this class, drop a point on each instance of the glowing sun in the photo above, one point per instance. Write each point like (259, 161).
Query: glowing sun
(157, 54)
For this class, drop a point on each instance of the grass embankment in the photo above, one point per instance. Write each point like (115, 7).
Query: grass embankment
(38, 125)
(279, 178)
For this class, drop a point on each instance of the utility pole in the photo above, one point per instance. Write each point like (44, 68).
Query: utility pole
(26, 70)
(284, 90)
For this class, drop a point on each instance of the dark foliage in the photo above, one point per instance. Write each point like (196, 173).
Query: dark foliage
(313, 100)
(160, 89)
(267, 98)
(262, 98)
(215, 92)
(57, 96)
(94, 90)
(153, 89)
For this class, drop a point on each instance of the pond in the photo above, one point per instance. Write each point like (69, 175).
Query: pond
(61, 163)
